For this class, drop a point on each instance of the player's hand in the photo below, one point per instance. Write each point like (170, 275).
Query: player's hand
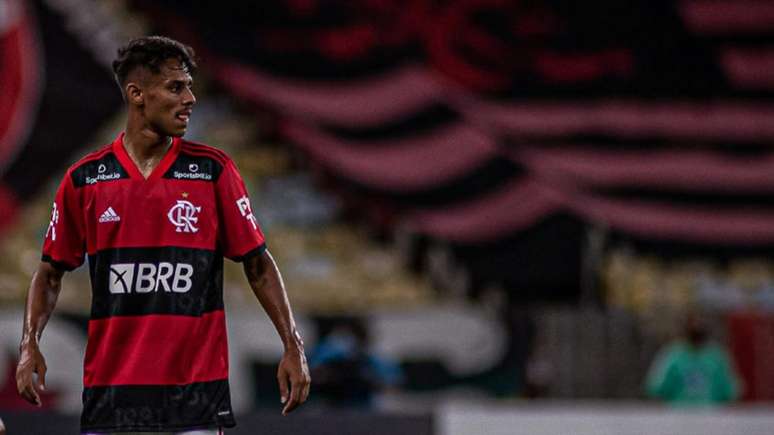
(293, 368)
(31, 361)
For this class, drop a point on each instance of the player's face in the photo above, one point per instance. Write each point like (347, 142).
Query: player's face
(169, 99)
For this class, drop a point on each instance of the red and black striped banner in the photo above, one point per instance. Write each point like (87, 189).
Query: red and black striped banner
(54, 94)
(484, 123)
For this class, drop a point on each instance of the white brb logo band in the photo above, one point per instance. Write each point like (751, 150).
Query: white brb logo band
(243, 204)
(183, 216)
(147, 277)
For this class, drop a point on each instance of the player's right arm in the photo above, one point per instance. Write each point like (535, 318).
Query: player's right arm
(41, 300)
(63, 250)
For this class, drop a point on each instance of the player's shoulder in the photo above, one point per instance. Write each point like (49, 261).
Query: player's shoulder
(97, 166)
(204, 150)
(92, 158)
(197, 161)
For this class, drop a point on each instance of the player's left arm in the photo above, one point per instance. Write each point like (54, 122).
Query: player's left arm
(265, 280)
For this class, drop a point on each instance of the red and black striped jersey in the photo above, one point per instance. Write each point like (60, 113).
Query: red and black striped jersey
(157, 356)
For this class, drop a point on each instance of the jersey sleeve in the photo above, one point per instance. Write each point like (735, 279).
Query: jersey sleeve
(64, 245)
(239, 234)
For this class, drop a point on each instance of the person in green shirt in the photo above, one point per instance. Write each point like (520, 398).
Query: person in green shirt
(694, 370)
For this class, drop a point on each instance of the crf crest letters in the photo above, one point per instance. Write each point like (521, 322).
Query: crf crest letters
(183, 216)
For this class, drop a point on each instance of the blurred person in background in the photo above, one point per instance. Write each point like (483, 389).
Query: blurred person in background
(156, 214)
(346, 371)
(2, 427)
(694, 370)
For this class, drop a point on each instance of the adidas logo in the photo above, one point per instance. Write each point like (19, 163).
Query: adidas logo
(109, 215)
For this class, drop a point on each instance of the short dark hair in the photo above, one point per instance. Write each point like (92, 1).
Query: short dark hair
(150, 52)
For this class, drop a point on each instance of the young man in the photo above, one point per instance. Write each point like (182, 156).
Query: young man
(156, 214)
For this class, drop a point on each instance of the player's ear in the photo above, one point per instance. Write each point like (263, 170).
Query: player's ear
(134, 94)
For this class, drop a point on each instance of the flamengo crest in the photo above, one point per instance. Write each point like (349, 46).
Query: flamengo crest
(183, 216)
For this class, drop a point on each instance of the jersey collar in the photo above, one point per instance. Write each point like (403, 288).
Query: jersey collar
(131, 168)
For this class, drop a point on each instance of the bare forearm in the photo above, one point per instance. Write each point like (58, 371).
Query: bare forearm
(41, 300)
(266, 282)
(292, 372)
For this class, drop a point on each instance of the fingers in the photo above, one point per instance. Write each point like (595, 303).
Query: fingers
(299, 392)
(25, 383)
(293, 368)
(27, 390)
(32, 395)
(293, 401)
(290, 400)
(306, 383)
(290, 406)
(42, 369)
(306, 390)
(282, 379)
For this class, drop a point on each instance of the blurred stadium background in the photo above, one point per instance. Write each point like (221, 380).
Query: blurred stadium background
(518, 201)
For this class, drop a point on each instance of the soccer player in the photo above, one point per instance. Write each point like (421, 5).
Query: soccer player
(156, 214)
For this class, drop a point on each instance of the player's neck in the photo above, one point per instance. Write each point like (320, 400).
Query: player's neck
(145, 143)
(146, 148)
